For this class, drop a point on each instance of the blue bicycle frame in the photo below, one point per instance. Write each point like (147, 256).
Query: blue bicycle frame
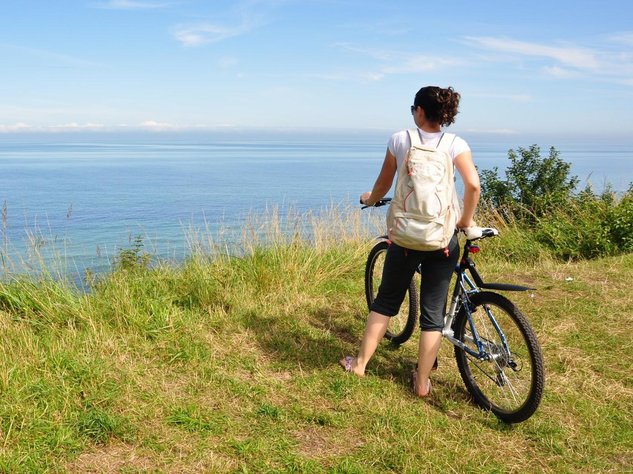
(464, 287)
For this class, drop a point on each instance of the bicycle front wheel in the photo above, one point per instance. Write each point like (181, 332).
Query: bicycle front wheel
(509, 379)
(401, 326)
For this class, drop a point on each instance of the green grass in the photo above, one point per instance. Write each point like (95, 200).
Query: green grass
(229, 364)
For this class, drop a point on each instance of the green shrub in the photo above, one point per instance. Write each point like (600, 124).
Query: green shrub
(620, 222)
(589, 226)
(538, 196)
(134, 258)
(533, 184)
(575, 232)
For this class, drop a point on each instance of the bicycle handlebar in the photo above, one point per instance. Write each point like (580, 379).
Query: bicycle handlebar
(382, 202)
(471, 233)
(476, 233)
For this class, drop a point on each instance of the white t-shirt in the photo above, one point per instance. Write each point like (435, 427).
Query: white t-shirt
(399, 144)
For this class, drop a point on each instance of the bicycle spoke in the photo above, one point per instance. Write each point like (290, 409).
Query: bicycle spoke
(502, 378)
(507, 382)
(510, 396)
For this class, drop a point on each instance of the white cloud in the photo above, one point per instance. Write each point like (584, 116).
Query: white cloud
(130, 5)
(204, 33)
(246, 16)
(560, 73)
(375, 53)
(625, 38)
(66, 127)
(569, 55)
(50, 56)
(16, 127)
(347, 76)
(76, 127)
(372, 76)
(147, 126)
(391, 62)
(158, 126)
(421, 63)
(569, 61)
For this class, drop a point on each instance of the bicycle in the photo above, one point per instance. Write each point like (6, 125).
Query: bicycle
(497, 352)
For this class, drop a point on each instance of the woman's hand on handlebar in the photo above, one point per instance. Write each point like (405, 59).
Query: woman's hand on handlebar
(463, 223)
(475, 233)
(381, 202)
(364, 197)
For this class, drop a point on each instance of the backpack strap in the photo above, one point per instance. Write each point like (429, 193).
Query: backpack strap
(414, 137)
(445, 145)
(446, 141)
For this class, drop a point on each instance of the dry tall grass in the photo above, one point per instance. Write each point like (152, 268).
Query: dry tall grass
(228, 362)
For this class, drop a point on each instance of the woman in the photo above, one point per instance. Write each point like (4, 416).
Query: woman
(432, 108)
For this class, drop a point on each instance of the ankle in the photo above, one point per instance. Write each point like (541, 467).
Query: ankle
(358, 368)
(423, 392)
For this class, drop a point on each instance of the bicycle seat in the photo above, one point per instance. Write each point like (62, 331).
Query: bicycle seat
(475, 232)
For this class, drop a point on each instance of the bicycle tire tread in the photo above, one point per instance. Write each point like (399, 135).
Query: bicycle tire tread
(533, 399)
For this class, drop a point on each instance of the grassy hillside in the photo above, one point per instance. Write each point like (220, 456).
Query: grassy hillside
(229, 364)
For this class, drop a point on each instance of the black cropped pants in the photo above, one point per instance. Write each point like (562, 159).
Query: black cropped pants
(436, 269)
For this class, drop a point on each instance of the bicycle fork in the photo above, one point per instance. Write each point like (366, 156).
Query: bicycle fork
(484, 352)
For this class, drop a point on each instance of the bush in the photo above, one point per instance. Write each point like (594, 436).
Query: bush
(133, 258)
(533, 184)
(576, 231)
(620, 222)
(590, 226)
(538, 195)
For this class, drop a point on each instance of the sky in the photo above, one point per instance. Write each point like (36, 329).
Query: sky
(556, 66)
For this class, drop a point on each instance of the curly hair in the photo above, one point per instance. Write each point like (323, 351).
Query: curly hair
(440, 105)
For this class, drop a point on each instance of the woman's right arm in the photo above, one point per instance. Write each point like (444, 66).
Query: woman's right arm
(383, 182)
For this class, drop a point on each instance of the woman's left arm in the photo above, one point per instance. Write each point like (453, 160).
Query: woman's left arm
(472, 188)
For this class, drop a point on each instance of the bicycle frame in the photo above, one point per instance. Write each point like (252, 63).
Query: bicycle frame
(465, 286)
(495, 342)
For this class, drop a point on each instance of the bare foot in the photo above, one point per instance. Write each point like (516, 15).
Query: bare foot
(349, 364)
(418, 390)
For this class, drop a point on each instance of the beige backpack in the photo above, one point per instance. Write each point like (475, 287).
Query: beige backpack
(425, 208)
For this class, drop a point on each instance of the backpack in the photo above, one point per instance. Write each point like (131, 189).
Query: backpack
(425, 208)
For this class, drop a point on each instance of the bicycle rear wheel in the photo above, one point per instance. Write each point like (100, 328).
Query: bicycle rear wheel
(401, 326)
(508, 383)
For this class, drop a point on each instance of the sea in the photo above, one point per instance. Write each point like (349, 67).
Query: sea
(73, 201)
